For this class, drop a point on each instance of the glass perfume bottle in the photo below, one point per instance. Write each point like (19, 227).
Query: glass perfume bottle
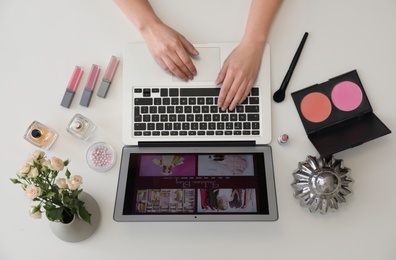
(81, 127)
(40, 135)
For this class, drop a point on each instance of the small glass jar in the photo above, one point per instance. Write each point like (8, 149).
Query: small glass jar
(101, 157)
(81, 127)
(40, 135)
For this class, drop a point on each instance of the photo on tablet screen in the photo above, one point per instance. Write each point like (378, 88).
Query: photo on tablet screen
(225, 165)
(227, 200)
(167, 165)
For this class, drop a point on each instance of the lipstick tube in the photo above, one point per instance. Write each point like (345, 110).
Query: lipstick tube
(90, 86)
(72, 87)
(108, 77)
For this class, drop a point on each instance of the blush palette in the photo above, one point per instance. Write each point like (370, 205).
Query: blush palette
(337, 114)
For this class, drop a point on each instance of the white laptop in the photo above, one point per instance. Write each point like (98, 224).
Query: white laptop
(144, 81)
(184, 159)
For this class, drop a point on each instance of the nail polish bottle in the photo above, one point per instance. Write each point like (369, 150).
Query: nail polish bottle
(81, 127)
(40, 135)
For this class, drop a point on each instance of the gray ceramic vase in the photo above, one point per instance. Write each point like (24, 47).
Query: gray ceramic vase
(78, 230)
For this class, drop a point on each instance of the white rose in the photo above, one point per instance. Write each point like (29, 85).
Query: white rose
(56, 164)
(35, 215)
(46, 163)
(24, 170)
(34, 156)
(61, 182)
(74, 182)
(32, 191)
(33, 173)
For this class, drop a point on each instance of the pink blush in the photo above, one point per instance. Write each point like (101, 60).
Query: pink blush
(346, 96)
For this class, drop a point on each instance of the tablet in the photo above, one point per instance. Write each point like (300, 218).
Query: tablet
(196, 184)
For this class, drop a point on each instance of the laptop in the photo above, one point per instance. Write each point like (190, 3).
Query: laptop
(186, 160)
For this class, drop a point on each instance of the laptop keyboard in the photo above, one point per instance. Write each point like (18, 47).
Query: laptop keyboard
(192, 112)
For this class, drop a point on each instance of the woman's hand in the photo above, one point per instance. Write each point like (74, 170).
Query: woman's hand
(238, 74)
(171, 50)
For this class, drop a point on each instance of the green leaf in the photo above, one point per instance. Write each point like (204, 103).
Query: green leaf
(15, 181)
(53, 214)
(66, 163)
(67, 173)
(84, 215)
(50, 194)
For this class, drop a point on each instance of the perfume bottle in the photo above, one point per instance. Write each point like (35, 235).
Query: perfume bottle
(80, 127)
(40, 135)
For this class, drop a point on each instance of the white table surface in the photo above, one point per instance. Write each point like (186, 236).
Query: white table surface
(40, 43)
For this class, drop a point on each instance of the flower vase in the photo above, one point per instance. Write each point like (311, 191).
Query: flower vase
(78, 230)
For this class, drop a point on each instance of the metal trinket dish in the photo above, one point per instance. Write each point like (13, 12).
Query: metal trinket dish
(321, 183)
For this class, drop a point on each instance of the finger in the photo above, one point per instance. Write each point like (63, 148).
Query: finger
(185, 58)
(220, 78)
(247, 91)
(188, 46)
(235, 94)
(186, 64)
(225, 87)
(164, 66)
(174, 68)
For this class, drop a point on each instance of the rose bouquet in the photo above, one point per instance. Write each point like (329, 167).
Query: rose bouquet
(56, 196)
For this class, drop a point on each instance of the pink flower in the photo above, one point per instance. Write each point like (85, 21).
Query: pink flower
(74, 182)
(32, 191)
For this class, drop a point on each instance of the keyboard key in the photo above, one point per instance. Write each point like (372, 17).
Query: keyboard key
(157, 101)
(143, 101)
(166, 101)
(173, 92)
(164, 118)
(246, 125)
(146, 92)
(192, 101)
(253, 117)
(159, 126)
(164, 92)
(174, 101)
(139, 126)
(254, 92)
(199, 92)
(254, 109)
(253, 100)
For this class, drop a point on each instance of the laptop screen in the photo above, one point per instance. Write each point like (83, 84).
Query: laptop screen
(197, 185)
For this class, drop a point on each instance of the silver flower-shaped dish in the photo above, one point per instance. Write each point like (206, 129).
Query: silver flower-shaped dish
(321, 183)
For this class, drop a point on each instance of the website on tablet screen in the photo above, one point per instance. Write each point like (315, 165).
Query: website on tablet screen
(196, 184)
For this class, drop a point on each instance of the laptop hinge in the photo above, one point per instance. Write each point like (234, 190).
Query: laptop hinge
(197, 144)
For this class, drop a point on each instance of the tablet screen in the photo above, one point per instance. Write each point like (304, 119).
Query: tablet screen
(196, 184)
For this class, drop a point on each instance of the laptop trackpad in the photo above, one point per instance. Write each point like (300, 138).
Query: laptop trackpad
(207, 64)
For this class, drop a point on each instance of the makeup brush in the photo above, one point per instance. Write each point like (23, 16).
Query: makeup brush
(279, 95)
